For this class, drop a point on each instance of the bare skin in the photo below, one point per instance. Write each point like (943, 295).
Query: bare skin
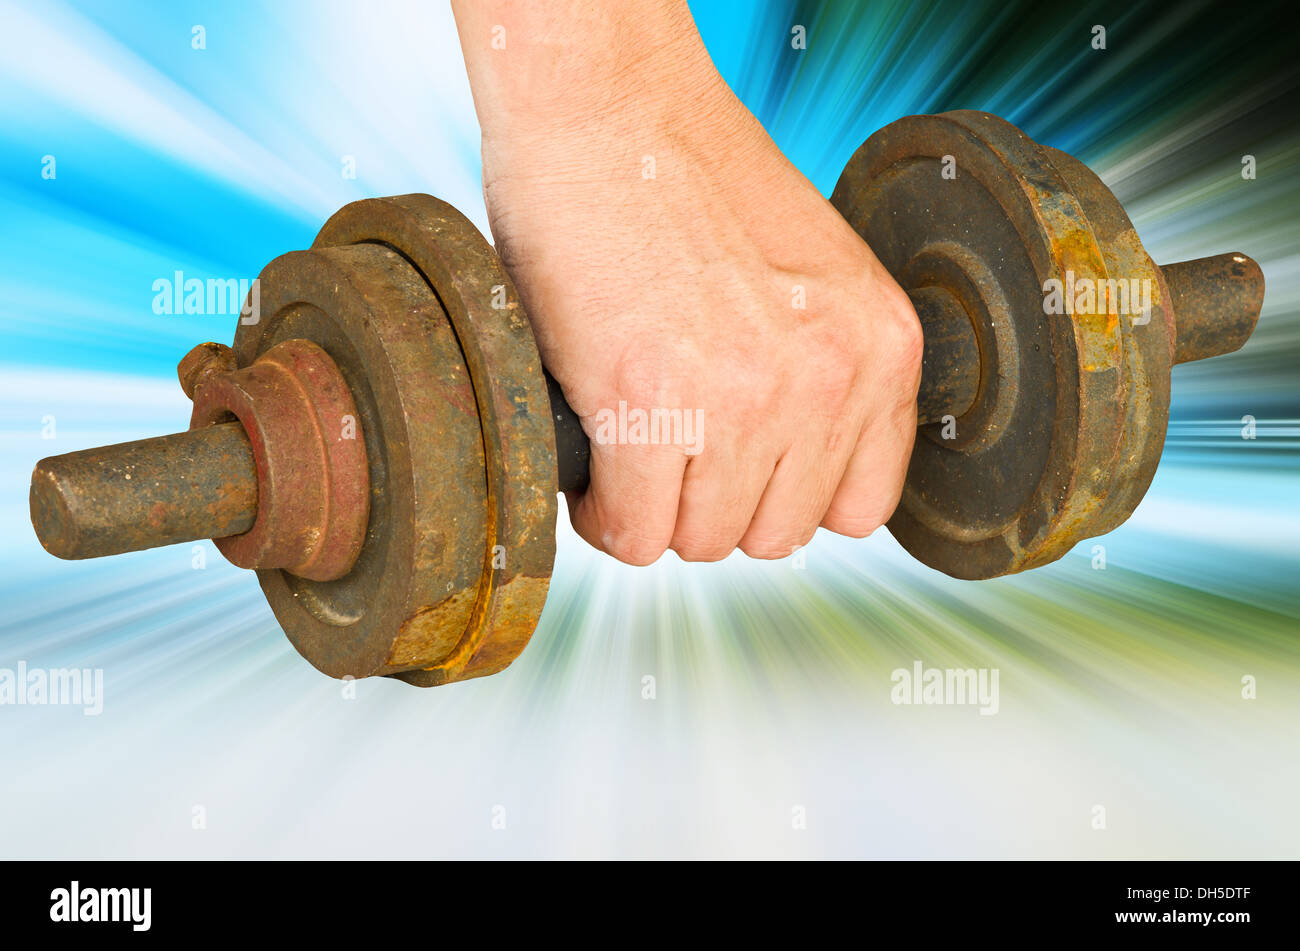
(662, 245)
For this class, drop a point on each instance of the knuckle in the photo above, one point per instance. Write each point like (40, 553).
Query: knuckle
(770, 547)
(701, 548)
(633, 548)
(904, 339)
(852, 526)
(860, 518)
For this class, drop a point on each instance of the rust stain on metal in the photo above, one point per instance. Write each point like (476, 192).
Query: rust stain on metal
(432, 632)
(510, 634)
(385, 447)
(146, 493)
(313, 485)
(1077, 432)
(511, 397)
(1216, 302)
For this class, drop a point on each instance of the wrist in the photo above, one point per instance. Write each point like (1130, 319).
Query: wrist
(558, 71)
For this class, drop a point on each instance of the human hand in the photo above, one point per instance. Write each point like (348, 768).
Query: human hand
(671, 259)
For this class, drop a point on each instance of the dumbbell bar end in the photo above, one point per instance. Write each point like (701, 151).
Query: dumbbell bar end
(1216, 303)
(144, 494)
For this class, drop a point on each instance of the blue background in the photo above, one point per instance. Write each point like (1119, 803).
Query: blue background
(1120, 688)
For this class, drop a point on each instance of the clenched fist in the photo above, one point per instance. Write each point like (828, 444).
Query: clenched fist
(744, 366)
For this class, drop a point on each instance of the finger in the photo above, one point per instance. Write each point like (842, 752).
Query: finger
(720, 493)
(873, 480)
(630, 506)
(795, 499)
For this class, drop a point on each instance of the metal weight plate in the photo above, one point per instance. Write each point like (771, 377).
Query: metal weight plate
(1149, 340)
(518, 438)
(1026, 474)
(412, 591)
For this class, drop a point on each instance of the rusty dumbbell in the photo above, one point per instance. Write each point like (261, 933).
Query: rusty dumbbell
(384, 447)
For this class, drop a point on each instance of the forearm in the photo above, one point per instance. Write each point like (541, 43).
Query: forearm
(537, 69)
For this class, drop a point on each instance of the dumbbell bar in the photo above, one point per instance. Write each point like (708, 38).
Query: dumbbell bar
(384, 447)
(204, 482)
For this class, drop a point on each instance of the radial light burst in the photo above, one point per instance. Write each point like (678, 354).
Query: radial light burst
(677, 709)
